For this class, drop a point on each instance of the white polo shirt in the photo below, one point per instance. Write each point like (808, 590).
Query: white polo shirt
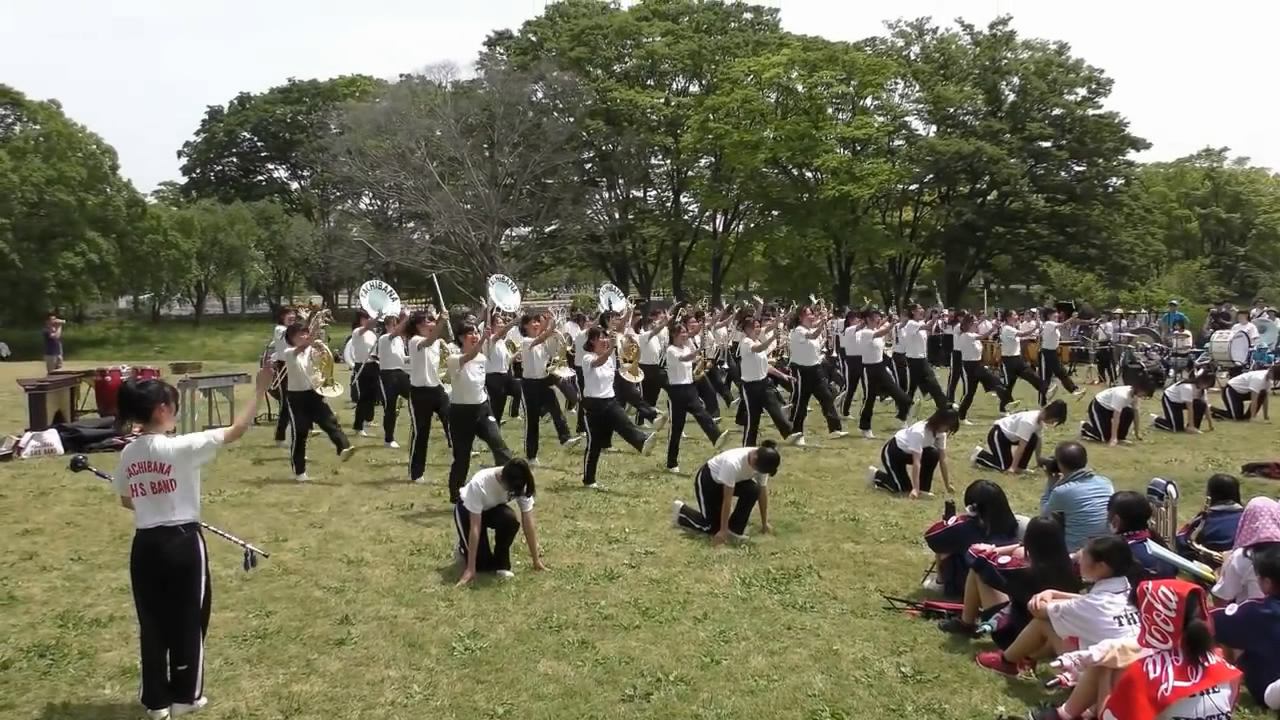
(468, 383)
(598, 381)
(849, 342)
(970, 347)
(754, 365)
(731, 467)
(497, 357)
(1104, 613)
(1117, 398)
(1237, 582)
(652, 345)
(914, 438)
(914, 336)
(805, 352)
(536, 357)
(1254, 381)
(1020, 427)
(297, 363)
(1050, 335)
(424, 362)
(1009, 343)
(1248, 329)
(1183, 393)
(391, 355)
(362, 343)
(872, 347)
(899, 344)
(679, 372)
(484, 491)
(161, 475)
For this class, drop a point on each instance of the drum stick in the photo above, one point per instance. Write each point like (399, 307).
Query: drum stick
(444, 309)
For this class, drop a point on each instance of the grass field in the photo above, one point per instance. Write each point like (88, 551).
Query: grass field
(356, 615)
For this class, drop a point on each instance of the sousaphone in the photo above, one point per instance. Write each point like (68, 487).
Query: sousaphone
(379, 300)
(612, 299)
(503, 294)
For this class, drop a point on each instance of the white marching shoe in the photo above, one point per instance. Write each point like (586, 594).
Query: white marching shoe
(180, 709)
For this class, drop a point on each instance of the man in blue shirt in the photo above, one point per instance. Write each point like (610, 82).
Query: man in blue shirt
(1253, 627)
(1076, 495)
(1174, 316)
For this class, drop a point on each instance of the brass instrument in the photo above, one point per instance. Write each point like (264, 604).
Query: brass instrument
(559, 363)
(1163, 496)
(322, 377)
(1212, 558)
(702, 363)
(629, 359)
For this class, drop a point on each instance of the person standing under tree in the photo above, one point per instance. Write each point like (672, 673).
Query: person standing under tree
(52, 335)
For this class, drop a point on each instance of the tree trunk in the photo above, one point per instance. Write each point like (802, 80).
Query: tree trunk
(244, 294)
(199, 295)
(225, 300)
(155, 309)
(717, 278)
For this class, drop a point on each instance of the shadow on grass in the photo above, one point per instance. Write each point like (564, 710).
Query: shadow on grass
(92, 711)
(425, 516)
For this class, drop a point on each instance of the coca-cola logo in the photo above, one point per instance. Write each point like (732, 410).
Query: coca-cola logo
(1159, 617)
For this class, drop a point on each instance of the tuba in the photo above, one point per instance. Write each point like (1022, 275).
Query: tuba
(379, 300)
(1163, 496)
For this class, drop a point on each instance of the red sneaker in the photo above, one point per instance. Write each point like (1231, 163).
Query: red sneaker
(994, 660)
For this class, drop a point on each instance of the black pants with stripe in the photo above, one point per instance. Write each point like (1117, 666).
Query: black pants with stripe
(466, 423)
(895, 475)
(955, 374)
(629, 394)
(539, 398)
(1174, 418)
(308, 408)
(999, 452)
(655, 381)
(976, 374)
(920, 376)
(710, 497)
(759, 398)
(605, 417)
(505, 525)
(1015, 368)
(876, 382)
(897, 367)
(581, 383)
(367, 391)
(395, 385)
(425, 402)
(282, 421)
(683, 401)
(707, 393)
(1237, 405)
(853, 378)
(169, 572)
(1097, 425)
(500, 386)
(810, 382)
(1050, 368)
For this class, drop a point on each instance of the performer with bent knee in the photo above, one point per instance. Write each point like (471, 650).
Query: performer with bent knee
(913, 453)
(741, 473)
(1185, 404)
(484, 505)
(1015, 438)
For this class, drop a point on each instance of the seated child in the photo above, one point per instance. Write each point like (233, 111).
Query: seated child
(987, 519)
(1214, 528)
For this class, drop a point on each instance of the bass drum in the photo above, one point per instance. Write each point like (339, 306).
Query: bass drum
(1228, 349)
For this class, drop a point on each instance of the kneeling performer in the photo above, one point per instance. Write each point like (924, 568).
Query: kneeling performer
(912, 454)
(485, 505)
(1015, 438)
(742, 473)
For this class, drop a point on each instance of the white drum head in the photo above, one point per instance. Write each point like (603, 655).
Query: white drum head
(379, 300)
(504, 294)
(612, 299)
(1239, 348)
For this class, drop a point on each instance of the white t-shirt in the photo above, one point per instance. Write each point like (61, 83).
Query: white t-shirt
(579, 349)
(497, 357)
(1009, 343)
(424, 362)
(1236, 580)
(898, 347)
(598, 380)
(914, 438)
(484, 491)
(970, 346)
(1180, 341)
(652, 345)
(467, 385)
(1183, 393)
(805, 352)
(1050, 335)
(278, 343)
(872, 347)
(161, 474)
(536, 357)
(297, 363)
(679, 372)
(1104, 613)
(913, 338)
(1212, 704)
(754, 365)
(391, 355)
(1117, 398)
(849, 341)
(362, 343)
(731, 467)
(1020, 427)
(1254, 381)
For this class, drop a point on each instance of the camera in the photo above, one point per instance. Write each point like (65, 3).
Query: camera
(1050, 466)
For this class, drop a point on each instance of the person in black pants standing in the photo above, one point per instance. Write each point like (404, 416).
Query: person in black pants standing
(851, 357)
(366, 381)
(498, 380)
(975, 373)
(470, 416)
(1050, 365)
(605, 416)
(540, 340)
(682, 397)
(876, 378)
(810, 381)
(654, 337)
(306, 406)
(427, 396)
(287, 318)
(394, 378)
(754, 389)
(913, 334)
(1011, 361)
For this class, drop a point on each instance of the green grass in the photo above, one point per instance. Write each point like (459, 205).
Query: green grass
(233, 339)
(356, 615)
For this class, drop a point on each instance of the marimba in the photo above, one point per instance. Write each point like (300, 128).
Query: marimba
(212, 385)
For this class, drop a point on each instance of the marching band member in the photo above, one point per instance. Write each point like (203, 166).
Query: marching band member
(912, 454)
(628, 394)
(682, 397)
(876, 379)
(392, 362)
(851, 355)
(306, 406)
(1185, 405)
(1104, 356)
(517, 371)
(605, 416)
(1014, 438)
(1245, 395)
(1257, 531)
(1181, 343)
(1112, 412)
(498, 379)
(1214, 528)
(1014, 366)
(806, 363)
(913, 334)
(158, 478)
(287, 316)
(578, 339)
(969, 344)
(741, 473)
(1050, 365)
(655, 335)
(699, 330)
(1252, 628)
(539, 341)
(470, 415)
(484, 503)
(955, 367)
(897, 365)
(366, 383)
(427, 396)
(757, 397)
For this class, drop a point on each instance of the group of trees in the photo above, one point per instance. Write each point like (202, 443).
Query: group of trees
(689, 145)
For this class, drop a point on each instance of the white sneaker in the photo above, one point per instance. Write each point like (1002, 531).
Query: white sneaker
(1012, 405)
(1078, 393)
(393, 445)
(787, 408)
(676, 507)
(649, 443)
(871, 476)
(364, 433)
(733, 404)
(180, 709)
(868, 435)
(303, 478)
(475, 453)
(967, 421)
(611, 449)
(837, 434)
(739, 538)
(721, 439)
(973, 458)
(345, 453)
(684, 435)
(674, 470)
(161, 714)
(659, 422)
(571, 441)
(593, 486)
(505, 574)
(533, 462)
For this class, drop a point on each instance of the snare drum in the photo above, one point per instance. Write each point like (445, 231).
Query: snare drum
(1031, 351)
(991, 353)
(1228, 349)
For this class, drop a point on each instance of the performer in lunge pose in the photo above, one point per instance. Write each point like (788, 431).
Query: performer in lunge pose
(682, 396)
(913, 333)
(366, 384)
(741, 473)
(969, 343)
(1015, 438)
(540, 340)
(851, 356)
(427, 396)
(757, 397)
(470, 415)
(305, 404)
(605, 416)
(1014, 366)
(393, 364)
(628, 393)
(876, 378)
(1186, 404)
(1050, 364)
(806, 339)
